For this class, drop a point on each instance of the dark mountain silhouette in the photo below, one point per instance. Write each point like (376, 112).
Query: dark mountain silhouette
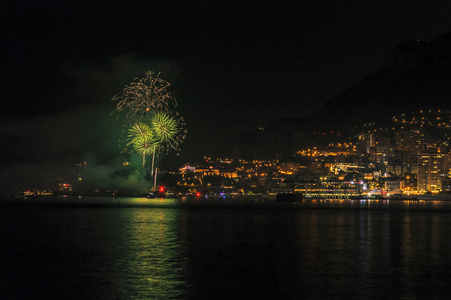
(418, 77)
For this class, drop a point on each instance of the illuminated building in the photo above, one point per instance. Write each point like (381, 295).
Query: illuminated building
(365, 142)
(446, 184)
(382, 154)
(394, 186)
(187, 168)
(432, 168)
(207, 171)
(288, 168)
(229, 174)
(64, 187)
(368, 176)
(396, 170)
(409, 140)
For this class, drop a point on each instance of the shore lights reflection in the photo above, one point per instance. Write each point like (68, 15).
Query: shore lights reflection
(155, 261)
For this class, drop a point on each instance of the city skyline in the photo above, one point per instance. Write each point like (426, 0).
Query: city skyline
(408, 156)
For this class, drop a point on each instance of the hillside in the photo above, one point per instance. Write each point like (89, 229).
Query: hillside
(418, 77)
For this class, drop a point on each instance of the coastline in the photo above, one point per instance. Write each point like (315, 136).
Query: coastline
(432, 204)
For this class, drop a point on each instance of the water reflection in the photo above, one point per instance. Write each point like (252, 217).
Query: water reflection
(228, 253)
(364, 254)
(155, 260)
(154, 249)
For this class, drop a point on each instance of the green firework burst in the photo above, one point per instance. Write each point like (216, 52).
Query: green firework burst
(166, 128)
(142, 140)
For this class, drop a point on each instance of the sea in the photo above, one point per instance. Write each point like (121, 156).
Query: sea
(224, 248)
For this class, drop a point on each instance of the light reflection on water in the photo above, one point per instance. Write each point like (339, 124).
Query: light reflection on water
(91, 252)
(154, 259)
(217, 248)
(364, 254)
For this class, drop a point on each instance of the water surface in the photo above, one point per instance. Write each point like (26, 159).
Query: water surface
(224, 248)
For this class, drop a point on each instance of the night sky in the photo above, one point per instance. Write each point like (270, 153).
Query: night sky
(233, 65)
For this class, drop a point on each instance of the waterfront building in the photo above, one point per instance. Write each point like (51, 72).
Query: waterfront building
(394, 186)
(432, 168)
(446, 184)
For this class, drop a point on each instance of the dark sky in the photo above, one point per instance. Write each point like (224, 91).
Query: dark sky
(233, 65)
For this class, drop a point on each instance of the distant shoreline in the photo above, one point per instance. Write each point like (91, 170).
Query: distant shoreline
(436, 197)
(251, 203)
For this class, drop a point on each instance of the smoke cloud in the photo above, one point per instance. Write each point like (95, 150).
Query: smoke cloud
(35, 150)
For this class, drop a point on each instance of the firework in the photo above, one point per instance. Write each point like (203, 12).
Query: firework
(142, 140)
(144, 96)
(152, 122)
(166, 128)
